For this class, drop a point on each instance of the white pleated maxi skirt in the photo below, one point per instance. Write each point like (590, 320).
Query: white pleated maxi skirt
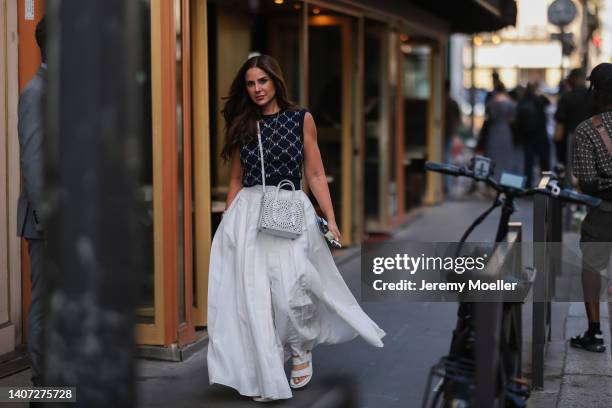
(270, 296)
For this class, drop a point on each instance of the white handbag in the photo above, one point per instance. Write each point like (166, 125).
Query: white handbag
(282, 217)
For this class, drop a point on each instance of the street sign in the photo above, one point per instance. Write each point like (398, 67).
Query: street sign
(562, 36)
(562, 12)
(567, 41)
(567, 47)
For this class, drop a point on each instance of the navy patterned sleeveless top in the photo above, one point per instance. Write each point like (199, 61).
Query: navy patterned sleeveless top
(282, 138)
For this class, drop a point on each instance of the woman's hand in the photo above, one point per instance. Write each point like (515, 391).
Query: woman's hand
(333, 228)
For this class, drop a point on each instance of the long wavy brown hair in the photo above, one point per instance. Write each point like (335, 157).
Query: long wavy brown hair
(241, 113)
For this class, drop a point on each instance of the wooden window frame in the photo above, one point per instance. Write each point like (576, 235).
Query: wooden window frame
(10, 245)
(201, 166)
(166, 328)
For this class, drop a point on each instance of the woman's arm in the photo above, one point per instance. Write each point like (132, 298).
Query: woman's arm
(235, 182)
(315, 174)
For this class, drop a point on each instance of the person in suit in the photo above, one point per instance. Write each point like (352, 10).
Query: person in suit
(29, 221)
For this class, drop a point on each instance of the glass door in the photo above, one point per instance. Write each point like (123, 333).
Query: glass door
(417, 64)
(330, 98)
(167, 207)
(377, 128)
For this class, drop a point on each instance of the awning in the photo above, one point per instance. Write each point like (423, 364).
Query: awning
(472, 16)
(458, 16)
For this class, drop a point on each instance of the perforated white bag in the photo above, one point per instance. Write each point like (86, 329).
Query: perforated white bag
(282, 217)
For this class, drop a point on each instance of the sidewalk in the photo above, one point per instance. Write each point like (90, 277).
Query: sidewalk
(576, 378)
(573, 377)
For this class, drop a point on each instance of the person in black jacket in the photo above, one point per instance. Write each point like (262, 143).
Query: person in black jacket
(592, 166)
(530, 130)
(571, 110)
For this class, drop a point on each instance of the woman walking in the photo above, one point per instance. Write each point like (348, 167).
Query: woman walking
(272, 297)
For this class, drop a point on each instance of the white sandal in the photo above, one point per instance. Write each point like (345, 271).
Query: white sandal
(304, 372)
(262, 399)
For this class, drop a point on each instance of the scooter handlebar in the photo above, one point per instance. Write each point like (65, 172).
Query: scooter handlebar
(578, 198)
(564, 194)
(450, 169)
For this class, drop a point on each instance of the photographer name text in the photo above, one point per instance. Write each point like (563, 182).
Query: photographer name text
(425, 286)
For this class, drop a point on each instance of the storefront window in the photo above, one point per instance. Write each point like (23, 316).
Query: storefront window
(332, 80)
(393, 125)
(416, 71)
(417, 93)
(325, 99)
(376, 149)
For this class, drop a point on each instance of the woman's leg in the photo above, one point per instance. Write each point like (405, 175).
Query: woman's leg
(289, 336)
(291, 308)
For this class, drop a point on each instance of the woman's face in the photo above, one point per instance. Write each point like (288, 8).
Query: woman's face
(260, 86)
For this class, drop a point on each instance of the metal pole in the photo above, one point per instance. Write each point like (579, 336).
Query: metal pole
(472, 83)
(93, 163)
(585, 35)
(539, 291)
(561, 70)
(488, 318)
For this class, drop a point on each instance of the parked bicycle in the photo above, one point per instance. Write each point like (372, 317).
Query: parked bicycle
(458, 369)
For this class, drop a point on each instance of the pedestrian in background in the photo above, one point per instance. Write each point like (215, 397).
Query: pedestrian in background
(592, 166)
(452, 120)
(571, 110)
(270, 297)
(531, 131)
(496, 138)
(30, 224)
(549, 111)
(498, 86)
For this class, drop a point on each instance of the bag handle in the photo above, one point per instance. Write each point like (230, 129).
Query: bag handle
(263, 172)
(284, 183)
(292, 201)
(603, 132)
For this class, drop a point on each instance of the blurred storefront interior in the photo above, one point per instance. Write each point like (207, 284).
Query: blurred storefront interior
(371, 72)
